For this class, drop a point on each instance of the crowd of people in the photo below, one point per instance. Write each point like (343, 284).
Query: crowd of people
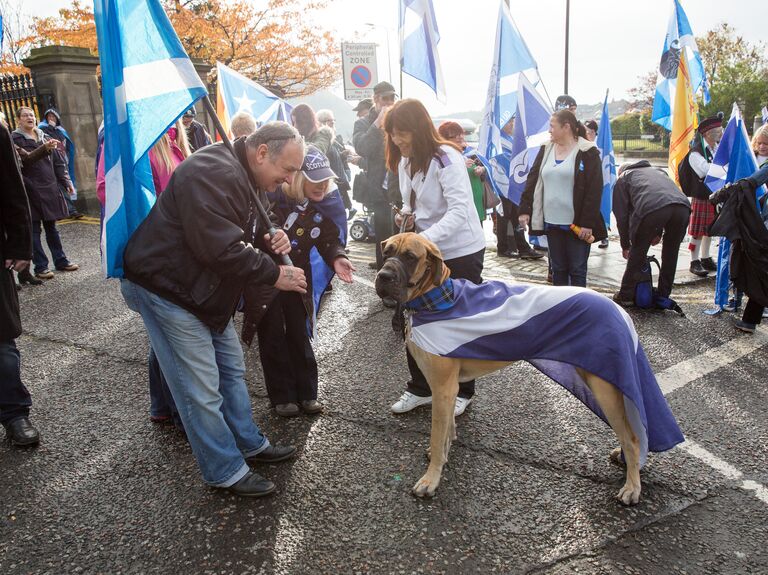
(203, 253)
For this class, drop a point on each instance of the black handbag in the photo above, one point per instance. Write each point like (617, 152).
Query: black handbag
(360, 188)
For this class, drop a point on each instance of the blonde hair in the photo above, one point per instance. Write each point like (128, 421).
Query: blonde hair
(242, 124)
(295, 191)
(761, 132)
(163, 146)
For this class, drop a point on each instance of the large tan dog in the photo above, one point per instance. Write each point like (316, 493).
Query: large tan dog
(414, 266)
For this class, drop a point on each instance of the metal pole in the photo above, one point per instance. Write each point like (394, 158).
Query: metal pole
(567, 31)
(254, 188)
(389, 56)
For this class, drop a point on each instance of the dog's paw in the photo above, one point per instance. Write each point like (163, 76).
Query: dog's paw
(617, 457)
(425, 487)
(629, 494)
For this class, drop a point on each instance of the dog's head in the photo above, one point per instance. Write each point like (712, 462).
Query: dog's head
(412, 266)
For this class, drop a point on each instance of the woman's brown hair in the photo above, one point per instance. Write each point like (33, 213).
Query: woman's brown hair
(411, 116)
(304, 120)
(564, 117)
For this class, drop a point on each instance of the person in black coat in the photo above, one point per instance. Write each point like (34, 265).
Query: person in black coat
(15, 252)
(44, 170)
(197, 135)
(648, 206)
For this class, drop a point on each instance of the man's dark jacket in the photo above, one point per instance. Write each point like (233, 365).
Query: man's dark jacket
(197, 136)
(741, 222)
(43, 172)
(369, 142)
(15, 234)
(641, 190)
(195, 248)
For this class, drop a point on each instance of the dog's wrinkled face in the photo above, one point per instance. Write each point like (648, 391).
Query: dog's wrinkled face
(412, 266)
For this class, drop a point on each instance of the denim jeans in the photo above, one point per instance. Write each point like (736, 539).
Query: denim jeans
(53, 240)
(15, 400)
(568, 257)
(161, 401)
(205, 372)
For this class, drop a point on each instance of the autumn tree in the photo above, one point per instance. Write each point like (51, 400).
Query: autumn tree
(17, 34)
(273, 42)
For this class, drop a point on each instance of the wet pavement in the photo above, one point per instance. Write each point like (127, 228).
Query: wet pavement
(528, 488)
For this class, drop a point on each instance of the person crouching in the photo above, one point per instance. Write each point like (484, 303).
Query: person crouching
(290, 369)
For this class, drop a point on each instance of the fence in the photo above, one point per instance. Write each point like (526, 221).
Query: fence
(641, 144)
(15, 92)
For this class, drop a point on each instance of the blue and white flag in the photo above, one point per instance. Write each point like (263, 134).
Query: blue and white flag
(764, 113)
(605, 145)
(678, 42)
(545, 326)
(734, 160)
(148, 81)
(531, 131)
(419, 38)
(511, 60)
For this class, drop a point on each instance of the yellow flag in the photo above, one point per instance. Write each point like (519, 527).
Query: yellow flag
(685, 118)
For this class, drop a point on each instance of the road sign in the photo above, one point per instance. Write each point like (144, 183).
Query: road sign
(360, 74)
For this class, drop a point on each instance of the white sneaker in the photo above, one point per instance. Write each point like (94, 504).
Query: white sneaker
(461, 404)
(408, 401)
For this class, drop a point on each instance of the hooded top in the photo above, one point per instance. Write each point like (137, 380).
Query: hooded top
(59, 133)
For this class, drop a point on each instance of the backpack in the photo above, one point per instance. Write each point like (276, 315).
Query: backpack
(647, 296)
(686, 176)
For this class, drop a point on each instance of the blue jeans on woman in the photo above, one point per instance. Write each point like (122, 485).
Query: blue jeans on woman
(205, 372)
(53, 239)
(568, 257)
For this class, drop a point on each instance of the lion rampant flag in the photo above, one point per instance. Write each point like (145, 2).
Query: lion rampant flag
(685, 119)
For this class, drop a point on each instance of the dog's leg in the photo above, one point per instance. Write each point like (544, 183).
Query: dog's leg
(443, 380)
(611, 401)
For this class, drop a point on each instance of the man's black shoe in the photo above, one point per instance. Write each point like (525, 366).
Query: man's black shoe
(531, 255)
(252, 485)
(698, 270)
(510, 254)
(26, 277)
(273, 454)
(708, 264)
(22, 433)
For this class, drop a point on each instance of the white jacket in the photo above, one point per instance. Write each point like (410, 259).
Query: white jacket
(444, 207)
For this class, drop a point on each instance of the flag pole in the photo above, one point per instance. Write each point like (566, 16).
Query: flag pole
(262, 212)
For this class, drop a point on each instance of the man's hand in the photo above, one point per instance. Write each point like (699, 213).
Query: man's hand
(479, 171)
(524, 220)
(380, 118)
(291, 279)
(343, 268)
(280, 244)
(399, 221)
(16, 265)
(625, 254)
(72, 192)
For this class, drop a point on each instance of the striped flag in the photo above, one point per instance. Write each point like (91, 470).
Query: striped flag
(685, 120)
(236, 93)
(419, 38)
(148, 81)
(546, 326)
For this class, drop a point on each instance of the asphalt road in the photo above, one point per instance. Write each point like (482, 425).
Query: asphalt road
(529, 487)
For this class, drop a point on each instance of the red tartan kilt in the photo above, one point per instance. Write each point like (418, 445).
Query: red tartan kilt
(702, 216)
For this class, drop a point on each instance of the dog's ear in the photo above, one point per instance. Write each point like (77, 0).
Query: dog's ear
(436, 262)
(383, 245)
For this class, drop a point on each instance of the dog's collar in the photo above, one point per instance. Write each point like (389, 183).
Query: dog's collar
(439, 298)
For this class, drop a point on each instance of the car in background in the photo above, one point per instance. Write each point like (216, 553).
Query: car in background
(470, 128)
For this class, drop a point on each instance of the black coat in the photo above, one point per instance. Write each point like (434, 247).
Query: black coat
(43, 173)
(197, 136)
(369, 142)
(587, 191)
(15, 234)
(741, 222)
(195, 248)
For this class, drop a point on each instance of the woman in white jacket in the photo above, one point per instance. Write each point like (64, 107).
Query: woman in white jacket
(437, 200)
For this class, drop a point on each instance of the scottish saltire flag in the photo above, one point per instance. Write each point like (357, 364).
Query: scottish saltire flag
(511, 59)
(419, 38)
(734, 160)
(605, 145)
(331, 207)
(236, 93)
(531, 131)
(546, 326)
(679, 42)
(148, 81)
(764, 114)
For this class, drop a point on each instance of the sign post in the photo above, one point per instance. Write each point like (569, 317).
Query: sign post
(359, 68)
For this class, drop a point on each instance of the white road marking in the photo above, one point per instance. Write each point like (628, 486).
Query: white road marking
(364, 281)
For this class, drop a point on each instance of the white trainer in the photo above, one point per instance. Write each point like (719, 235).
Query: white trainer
(409, 401)
(461, 404)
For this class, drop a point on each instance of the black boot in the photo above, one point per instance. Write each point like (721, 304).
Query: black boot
(26, 277)
(698, 270)
(708, 264)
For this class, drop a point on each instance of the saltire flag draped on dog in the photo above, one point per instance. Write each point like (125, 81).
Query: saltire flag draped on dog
(530, 132)
(236, 93)
(511, 59)
(419, 38)
(552, 328)
(331, 207)
(605, 145)
(734, 160)
(148, 81)
(684, 123)
(679, 46)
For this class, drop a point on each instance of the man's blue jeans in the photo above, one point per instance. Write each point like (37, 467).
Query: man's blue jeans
(206, 374)
(15, 400)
